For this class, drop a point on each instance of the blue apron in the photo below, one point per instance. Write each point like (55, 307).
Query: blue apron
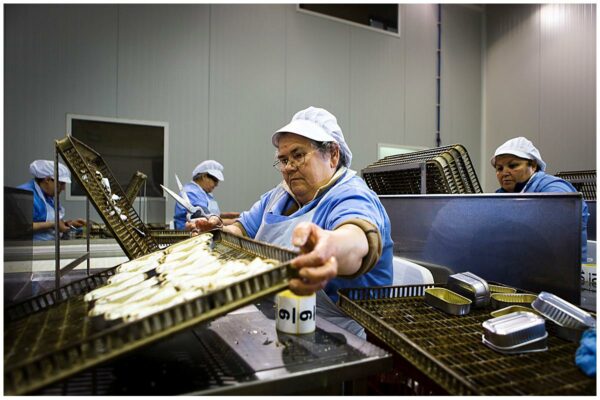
(47, 234)
(275, 231)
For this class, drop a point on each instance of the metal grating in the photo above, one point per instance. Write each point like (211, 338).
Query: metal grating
(467, 167)
(448, 348)
(50, 337)
(449, 168)
(584, 182)
(133, 188)
(166, 237)
(183, 364)
(132, 234)
(406, 179)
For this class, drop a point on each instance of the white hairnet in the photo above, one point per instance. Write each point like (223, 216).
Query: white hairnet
(520, 147)
(319, 125)
(211, 167)
(44, 168)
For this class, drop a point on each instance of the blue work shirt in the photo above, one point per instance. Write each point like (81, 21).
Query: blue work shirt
(39, 204)
(541, 182)
(197, 196)
(349, 200)
(43, 210)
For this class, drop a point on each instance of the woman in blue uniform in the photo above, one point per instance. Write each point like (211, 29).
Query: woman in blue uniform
(325, 210)
(205, 178)
(520, 169)
(42, 186)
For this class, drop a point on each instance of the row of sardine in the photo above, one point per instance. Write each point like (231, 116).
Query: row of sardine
(164, 278)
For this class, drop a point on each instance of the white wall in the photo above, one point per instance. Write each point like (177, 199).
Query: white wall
(461, 79)
(223, 76)
(226, 76)
(540, 80)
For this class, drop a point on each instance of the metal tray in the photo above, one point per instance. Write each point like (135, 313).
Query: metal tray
(461, 186)
(533, 346)
(137, 181)
(583, 181)
(512, 309)
(501, 289)
(449, 170)
(564, 332)
(471, 286)
(406, 178)
(562, 312)
(465, 174)
(514, 329)
(468, 165)
(131, 233)
(167, 237)
(447, 301)
(501, 300)
(447, 349)
(50, 337)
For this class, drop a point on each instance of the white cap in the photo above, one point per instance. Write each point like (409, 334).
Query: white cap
(211, 167)
(45, 168)
(520, 147)
(316, 124)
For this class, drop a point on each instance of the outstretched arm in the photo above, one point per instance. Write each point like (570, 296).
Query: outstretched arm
(326, 254)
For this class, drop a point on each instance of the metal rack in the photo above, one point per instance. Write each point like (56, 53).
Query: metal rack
(165, 238)
(584, 182)
(50, 337)
(114, 207)
(137, 181)
(445, 169)
(58, 271)
(447, 349)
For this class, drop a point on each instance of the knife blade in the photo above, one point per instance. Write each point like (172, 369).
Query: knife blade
(183, 202)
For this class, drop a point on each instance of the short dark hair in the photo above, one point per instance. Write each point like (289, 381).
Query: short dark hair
(537, 164)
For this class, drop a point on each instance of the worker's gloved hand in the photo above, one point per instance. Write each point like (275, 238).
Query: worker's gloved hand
(585, 357)
(316, 264)
(204, 224)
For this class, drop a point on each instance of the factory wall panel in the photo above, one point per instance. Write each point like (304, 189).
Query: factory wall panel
(568, 89)
(377, 85)
(223, 76)
(461, 80)
(540, 82)
(318, 66)
(419, 27)
(57, 59)
(247, 98)
(163, 75)
(512, 79)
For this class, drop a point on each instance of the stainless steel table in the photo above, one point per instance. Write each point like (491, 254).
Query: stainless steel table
(239, 353)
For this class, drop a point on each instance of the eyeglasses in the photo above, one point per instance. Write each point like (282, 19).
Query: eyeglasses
(298, 159)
